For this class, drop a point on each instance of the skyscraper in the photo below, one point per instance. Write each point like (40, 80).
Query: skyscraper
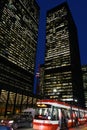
(18, 41)
(63, 76)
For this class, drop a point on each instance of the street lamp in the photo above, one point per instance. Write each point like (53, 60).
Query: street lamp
(58, 94)
(54, 91)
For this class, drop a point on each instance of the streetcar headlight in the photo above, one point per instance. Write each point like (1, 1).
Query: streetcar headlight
(49, 117)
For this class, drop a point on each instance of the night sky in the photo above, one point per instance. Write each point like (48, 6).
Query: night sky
(78, 10)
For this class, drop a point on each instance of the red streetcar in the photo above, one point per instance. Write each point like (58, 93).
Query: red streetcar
(53, 115)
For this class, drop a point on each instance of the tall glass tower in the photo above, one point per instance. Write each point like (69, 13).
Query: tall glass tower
(18, 41)
(63, 76)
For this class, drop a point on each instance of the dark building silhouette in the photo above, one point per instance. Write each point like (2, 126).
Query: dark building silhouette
(18, 41)
(63, 75)
(84, 73)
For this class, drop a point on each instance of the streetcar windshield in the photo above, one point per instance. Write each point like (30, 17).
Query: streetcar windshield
(43, 111)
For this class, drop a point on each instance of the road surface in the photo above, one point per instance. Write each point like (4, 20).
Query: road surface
(84, 127)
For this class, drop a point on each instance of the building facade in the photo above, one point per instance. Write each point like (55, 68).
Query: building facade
(18, 41)
(62, 76)
(84, 73)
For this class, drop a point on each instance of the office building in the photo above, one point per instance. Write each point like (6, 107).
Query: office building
(62, 76)
(84, 73)
(18, 41)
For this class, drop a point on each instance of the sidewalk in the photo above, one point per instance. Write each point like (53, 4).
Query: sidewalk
(83, 127)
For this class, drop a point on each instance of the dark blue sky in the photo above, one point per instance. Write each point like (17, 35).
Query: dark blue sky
(79, 12)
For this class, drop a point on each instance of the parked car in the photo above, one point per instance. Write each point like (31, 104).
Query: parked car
(25, 119)
(2, 127)
(6, 122)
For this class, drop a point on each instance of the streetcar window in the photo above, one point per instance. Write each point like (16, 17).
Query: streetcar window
(43, 112)
(55, 113)
(81, 114)
(66, 113)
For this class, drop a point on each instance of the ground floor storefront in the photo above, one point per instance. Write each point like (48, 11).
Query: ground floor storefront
(12, 102)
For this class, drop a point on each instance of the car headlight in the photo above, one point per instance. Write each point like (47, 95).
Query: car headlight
(2, 121)
(11, 121)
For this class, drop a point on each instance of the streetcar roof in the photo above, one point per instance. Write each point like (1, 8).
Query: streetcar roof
(59, 104)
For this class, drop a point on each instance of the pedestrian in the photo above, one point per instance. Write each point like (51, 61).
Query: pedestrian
(64, 123)
(76, 121)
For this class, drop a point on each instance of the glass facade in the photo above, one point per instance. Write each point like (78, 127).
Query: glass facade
(61, 82)
(18, 33)
(18, 41)
(11, 103)
(62, 77)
